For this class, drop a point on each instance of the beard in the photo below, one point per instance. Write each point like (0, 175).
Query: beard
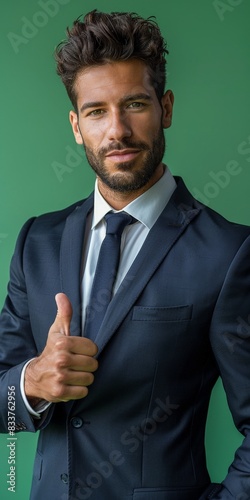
(127, 178)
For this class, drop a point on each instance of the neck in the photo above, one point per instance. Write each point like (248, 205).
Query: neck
(118, 200)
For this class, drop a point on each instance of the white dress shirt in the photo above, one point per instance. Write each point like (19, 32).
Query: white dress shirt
(146, 209)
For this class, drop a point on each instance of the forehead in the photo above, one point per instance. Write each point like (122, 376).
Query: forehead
(112, 80)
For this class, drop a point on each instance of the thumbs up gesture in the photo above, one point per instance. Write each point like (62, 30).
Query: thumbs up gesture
(64, 369)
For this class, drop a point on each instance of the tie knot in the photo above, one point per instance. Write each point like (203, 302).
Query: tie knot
(116, 222)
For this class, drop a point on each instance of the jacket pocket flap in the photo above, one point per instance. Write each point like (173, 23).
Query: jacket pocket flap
(168, 493)
(175, 313)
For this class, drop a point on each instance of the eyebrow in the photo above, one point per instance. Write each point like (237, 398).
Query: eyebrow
(127, 98)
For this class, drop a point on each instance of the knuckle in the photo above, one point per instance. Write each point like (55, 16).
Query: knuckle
(61, 343)
(61, 361)
(58, 392)
(60, 379)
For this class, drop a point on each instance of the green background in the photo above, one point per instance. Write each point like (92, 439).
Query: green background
(42, 169)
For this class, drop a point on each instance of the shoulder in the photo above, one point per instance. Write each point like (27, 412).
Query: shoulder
(208, 219)
(58, 216)
(221, 228)
(55, 221)
(49, 226)
(208, 234)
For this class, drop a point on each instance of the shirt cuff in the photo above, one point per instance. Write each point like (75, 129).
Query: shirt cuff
(41, 406)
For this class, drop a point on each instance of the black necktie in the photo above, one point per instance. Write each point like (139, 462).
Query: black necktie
(106, 270)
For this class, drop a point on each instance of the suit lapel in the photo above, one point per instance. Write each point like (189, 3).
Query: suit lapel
(171, 224)
(71, 259)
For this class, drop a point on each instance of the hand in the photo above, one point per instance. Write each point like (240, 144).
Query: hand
(64, 369)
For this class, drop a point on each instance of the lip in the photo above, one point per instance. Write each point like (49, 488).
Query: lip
(123, 155)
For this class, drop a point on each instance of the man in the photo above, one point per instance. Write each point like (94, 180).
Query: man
(121, 407)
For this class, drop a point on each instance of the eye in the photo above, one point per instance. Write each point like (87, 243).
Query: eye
(136, 105)
(96, 112)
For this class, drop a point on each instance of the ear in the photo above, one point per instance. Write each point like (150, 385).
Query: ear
(73, 118)
(167, 103)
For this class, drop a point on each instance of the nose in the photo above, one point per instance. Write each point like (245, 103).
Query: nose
(119, 126)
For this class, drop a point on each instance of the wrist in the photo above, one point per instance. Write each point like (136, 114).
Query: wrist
(29, 383)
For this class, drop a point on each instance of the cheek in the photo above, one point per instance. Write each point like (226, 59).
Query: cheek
(93, 135)
(147, 127)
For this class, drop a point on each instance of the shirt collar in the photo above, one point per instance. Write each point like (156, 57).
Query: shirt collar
(146, 208)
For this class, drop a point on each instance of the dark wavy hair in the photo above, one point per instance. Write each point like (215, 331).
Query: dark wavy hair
(119, 36)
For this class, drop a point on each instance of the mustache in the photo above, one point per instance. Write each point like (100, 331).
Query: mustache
(125, 144)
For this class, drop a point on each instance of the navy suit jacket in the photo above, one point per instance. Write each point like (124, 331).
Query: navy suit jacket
(178, 321)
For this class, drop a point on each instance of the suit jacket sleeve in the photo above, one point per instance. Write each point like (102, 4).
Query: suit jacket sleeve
(230, 339)
(17, 345)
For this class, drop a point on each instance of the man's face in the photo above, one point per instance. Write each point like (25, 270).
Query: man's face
(120, 123)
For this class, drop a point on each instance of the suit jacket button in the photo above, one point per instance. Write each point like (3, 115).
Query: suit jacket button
(76, 422)
(65, 478)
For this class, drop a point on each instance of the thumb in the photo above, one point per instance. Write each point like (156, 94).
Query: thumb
(64, 315)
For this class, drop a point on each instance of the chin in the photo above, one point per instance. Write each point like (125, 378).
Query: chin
(125, 182)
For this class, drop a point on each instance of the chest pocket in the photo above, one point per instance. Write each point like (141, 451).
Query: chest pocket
(162, 314)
